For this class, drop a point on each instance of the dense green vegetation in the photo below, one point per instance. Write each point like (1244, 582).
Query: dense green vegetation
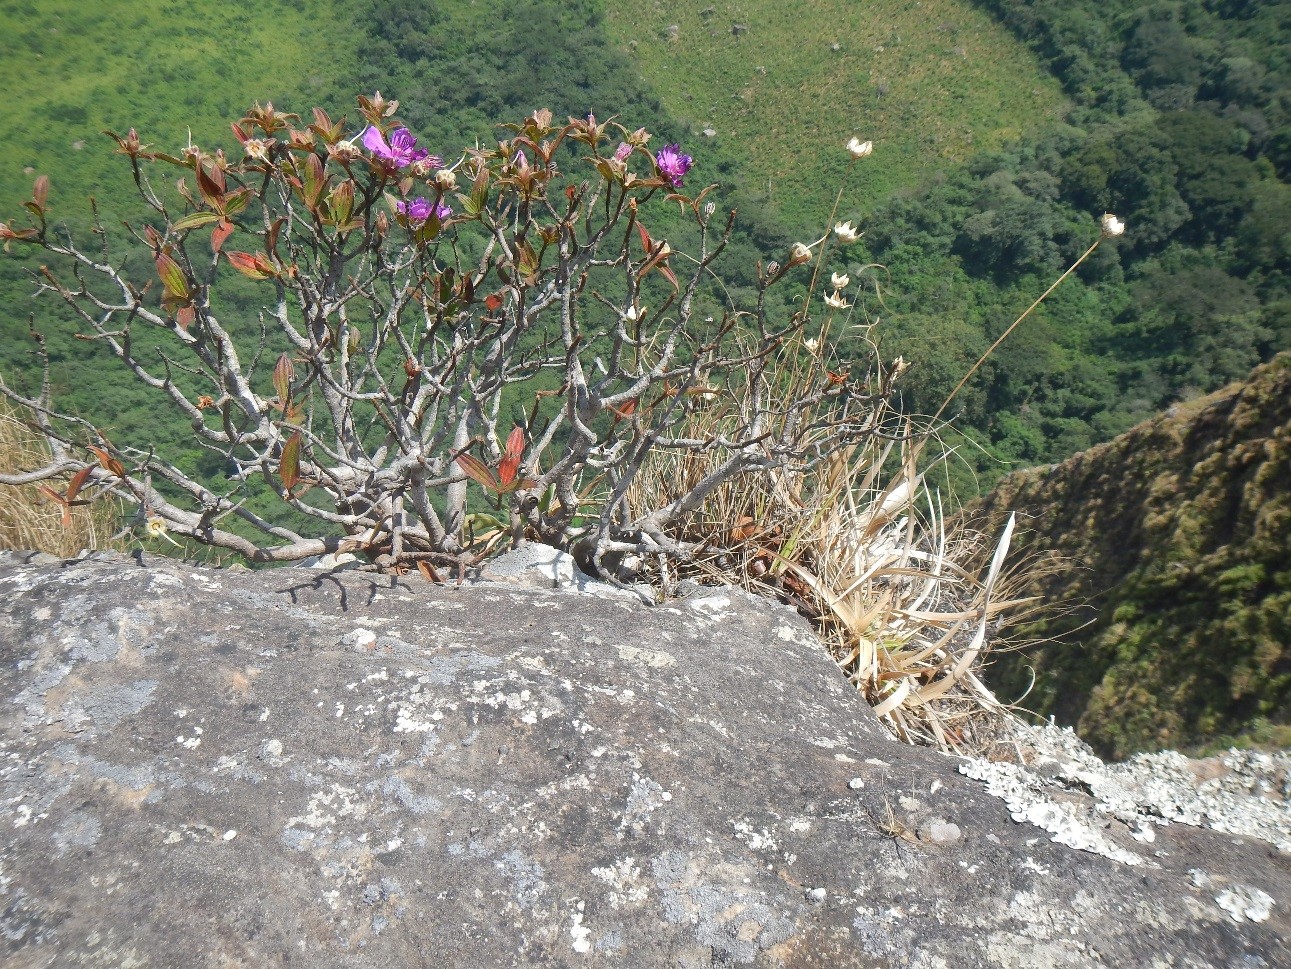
(1169, 545)
(1180, 127)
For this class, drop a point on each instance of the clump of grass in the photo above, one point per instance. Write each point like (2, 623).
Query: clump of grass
(29, 517)
(863, 548)
(908, 599)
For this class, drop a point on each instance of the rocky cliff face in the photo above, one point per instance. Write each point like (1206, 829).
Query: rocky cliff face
(294, 768)
(1177, 537)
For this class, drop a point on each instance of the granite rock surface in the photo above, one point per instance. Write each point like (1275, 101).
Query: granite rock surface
(218, 768)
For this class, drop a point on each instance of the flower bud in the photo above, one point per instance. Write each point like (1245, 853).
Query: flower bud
(835, 301)
(839, 280)
(343, 152)
(445, 179)
(798, 255)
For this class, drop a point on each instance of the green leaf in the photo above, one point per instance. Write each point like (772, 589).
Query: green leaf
(194, 220)
(289, 463)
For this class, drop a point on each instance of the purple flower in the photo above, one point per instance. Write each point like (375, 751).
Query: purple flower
(400, 151)
(672, 164)
(419, 210)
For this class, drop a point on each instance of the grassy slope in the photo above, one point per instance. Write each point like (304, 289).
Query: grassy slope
(69, 69)
(955, 82)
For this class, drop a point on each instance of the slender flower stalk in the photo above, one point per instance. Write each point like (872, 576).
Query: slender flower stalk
(1111, 226)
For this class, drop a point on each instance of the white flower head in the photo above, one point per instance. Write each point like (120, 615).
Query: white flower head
(860, 149)
(799, 254)
(811, 343)
(156, 528)
(839, 280)
(1111, 225)
(445, 179)
(846, 232)
(257, 148)
(634, 313)
(835, 301)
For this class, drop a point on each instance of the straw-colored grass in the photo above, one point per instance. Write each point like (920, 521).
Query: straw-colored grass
(29, 518)
(908, 603)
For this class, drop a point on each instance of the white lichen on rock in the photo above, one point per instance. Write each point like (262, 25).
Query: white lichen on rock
(1242, 902)
(1246, 792)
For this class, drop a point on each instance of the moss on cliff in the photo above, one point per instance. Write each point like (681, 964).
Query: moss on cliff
(1176, 538)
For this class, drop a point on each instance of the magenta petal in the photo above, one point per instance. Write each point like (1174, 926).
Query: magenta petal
(375, 142)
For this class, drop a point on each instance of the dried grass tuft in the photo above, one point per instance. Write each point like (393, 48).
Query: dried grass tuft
(908, 599)
(29, 519)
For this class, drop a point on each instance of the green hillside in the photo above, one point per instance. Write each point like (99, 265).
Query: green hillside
(782, 87)
(70, 69)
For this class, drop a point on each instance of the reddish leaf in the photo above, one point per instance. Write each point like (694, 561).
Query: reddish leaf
(248, 265)
(282, 374)
(493, 301)
(238, 133)
(211, 189)
(289, 463)
(645, 238)
(220, 234)
(78, 482)
(172, 277)
(314, 180)
(107, 462)
(511, 458)
(627, 410)
(477, 471)
(185, 316)
(428, 572)
(40, 191)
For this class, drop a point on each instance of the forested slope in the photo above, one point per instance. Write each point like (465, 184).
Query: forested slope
(1170, 547)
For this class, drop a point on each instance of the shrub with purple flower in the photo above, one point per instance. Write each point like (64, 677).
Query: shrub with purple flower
(672, 164)
(400, 151)
(419, 210)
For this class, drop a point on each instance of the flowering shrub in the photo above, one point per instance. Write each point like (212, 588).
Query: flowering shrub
(451, 354)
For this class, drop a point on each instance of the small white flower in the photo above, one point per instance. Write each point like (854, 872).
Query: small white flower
(156, 528)
(634, 313)
(860, 149)
(799, 254)
(846, 232)
(811, 344)
(1111, 225)
(257, 149)
(840, 280)
(445, 179)
(835, 301)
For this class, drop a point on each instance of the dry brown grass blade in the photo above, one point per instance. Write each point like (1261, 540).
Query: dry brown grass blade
(30, 519)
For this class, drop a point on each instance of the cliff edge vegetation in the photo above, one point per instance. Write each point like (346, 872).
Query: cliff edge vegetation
(1180, 623)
